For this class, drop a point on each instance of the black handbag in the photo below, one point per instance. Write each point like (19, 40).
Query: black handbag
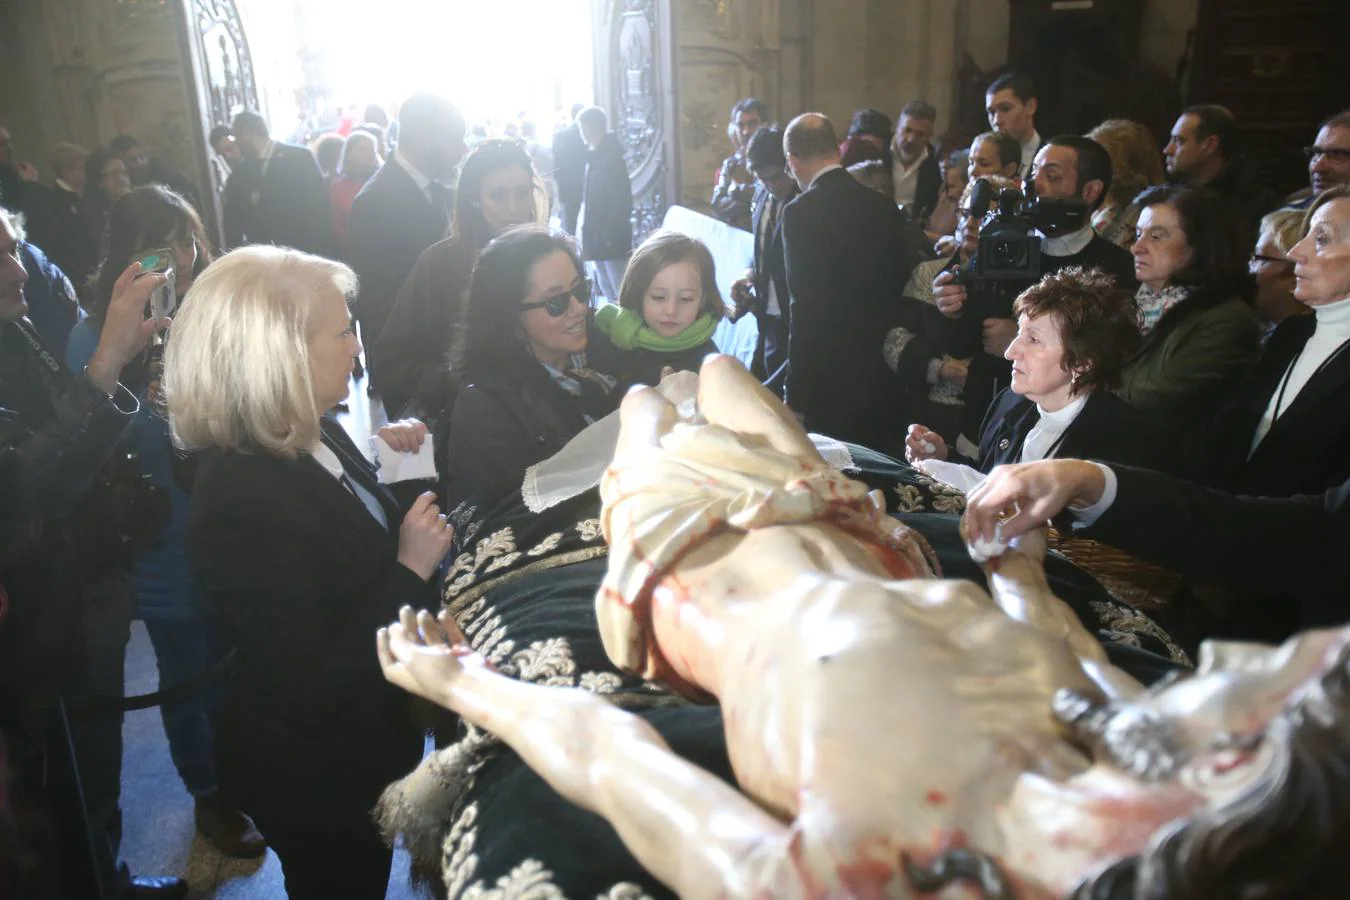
(123, 514)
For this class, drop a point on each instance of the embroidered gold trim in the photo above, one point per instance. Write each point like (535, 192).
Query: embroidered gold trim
(552, 562)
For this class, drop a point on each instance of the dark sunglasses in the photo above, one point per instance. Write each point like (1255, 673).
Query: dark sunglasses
(1336, 153)
(558, 305)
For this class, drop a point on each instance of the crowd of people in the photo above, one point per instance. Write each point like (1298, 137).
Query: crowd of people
(1168, 312)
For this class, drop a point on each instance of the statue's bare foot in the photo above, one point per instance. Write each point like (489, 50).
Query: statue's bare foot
(424, 654)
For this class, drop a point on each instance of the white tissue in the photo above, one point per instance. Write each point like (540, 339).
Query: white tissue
(395, 466)
(964, 478)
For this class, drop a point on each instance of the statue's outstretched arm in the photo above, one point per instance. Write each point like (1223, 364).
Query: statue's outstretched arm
(693, 831)
(1018, 584)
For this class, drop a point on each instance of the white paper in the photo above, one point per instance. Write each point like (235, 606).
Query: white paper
(962, 477)
(395, 466)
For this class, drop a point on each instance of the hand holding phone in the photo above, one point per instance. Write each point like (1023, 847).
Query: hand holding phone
(165, 298)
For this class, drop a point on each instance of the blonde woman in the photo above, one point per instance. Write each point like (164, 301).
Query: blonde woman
(303, 554)
(1136, 164)
(1273, 270)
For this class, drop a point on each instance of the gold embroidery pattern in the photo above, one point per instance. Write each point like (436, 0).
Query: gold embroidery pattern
(1125, 626)
(527, 881)
(547, 662)
(466, 577)
(547, 545)
(942, 497)
(909, 498)
(600, 682)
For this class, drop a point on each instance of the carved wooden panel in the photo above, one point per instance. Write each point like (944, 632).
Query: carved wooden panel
(1275, 66)
(222, 75)
(634, 83)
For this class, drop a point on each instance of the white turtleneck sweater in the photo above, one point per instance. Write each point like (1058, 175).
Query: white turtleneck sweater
(1332, 331)
(1049, 428)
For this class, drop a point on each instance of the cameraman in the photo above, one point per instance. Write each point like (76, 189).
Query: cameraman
(57, 428)
(979, 311)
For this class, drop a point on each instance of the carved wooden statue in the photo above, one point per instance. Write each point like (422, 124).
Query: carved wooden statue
(895, 735)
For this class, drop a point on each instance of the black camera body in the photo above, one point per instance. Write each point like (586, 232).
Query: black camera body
(1010, 248)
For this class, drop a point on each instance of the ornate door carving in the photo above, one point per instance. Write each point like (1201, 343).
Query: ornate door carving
(634, 84)
(221, 73)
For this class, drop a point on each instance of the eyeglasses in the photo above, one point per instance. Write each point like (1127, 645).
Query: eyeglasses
(1337, 154)
(558, 305)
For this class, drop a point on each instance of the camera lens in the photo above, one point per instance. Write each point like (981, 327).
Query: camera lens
(1010, 254)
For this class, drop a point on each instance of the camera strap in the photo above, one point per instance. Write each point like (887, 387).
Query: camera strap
(57, 373)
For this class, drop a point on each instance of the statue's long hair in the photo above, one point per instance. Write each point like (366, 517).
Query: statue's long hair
(1285, 837)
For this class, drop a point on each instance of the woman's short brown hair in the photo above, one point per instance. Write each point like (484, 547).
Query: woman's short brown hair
(1097, 323)
(666, 248)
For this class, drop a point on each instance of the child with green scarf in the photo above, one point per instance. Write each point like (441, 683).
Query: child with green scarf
(669, 306)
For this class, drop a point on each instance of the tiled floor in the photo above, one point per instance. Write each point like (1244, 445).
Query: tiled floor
(159, 837)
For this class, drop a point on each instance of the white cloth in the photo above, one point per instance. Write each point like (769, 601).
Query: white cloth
(1049, 428)
(1068, 244)
(958, 475)
(830, 168)
(395, 466)
(581, 463)
(1332, 331)
(418, 176)
(906, 178)
(1029, 149)
(325, 457)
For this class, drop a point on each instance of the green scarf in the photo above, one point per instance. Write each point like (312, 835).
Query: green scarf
(628, 331)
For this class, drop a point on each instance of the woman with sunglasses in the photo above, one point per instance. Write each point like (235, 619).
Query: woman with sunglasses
(520, 357)
(497, 190)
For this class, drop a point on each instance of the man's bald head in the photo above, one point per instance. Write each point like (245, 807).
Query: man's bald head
(810, 145)
(810, 137)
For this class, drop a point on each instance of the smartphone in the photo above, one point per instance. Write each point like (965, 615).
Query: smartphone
(165, 299)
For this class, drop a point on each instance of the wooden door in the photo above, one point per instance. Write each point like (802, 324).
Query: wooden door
(634, 84)
(220, 70)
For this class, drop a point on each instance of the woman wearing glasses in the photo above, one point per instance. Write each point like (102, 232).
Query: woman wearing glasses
(1289, 432)
(520, 356)
(1273, 270)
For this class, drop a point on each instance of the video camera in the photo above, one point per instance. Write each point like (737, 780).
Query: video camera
(1009, 249)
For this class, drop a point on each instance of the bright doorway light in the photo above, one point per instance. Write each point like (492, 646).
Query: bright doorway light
(496, 59)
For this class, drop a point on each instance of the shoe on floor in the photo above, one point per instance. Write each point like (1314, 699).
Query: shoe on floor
(157, 887)
(232, 832)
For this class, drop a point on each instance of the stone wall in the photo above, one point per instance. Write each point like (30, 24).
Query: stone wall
(89, 70)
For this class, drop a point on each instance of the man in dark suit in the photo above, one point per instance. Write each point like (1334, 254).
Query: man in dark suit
(59, 222)
(605, 228)
(405, 208)
(847, 261)
(915, 172)
(276, 195)
(764, 291)
(569, 171)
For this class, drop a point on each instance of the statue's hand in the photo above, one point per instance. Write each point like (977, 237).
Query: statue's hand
(424, 655)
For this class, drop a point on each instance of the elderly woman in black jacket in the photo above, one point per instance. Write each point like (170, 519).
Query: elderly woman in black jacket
(520, 355)
(303, 554)
(1075, 330)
